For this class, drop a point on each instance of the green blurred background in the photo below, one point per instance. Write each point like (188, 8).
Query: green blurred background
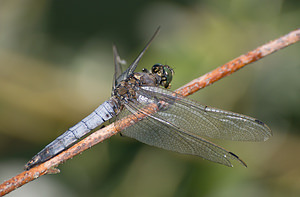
(56, 66)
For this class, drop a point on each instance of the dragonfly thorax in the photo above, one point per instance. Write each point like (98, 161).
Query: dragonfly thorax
(160, 75)
(126, 90)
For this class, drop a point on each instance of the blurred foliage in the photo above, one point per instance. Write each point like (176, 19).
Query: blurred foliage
(56, 67)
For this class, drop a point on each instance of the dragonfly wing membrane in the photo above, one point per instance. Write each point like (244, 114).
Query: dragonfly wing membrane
(118, 67)
(154, 130)
(204, 121)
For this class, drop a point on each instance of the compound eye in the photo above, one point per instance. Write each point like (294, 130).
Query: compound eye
(164, 72)
(156, 68)
(168, 76)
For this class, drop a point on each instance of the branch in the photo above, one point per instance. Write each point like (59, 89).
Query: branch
(239, 62)
(110, 130)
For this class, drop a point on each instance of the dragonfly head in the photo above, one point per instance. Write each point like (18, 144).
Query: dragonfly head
(165, 74)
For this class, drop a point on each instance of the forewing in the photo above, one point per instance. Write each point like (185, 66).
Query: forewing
(204, 121)
(134, 64)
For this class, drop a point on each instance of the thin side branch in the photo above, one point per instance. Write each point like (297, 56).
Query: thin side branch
(107, 132)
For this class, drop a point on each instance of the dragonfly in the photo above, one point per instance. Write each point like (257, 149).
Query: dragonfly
(179, 124)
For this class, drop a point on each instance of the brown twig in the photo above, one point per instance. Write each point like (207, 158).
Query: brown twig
(239, 62)
(106, 132)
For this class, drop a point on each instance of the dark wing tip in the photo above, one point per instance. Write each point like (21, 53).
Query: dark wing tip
(237, 158)
(267, 129)
(260, 122)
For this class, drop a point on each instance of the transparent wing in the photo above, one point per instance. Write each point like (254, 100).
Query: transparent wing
(134, 64)
(204, 121)
(156, 131)
(118, 67)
